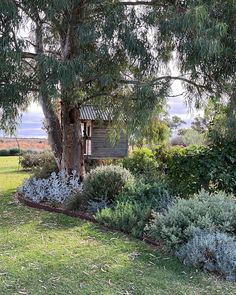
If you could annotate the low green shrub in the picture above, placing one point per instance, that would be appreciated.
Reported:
(141, 162)
(134, 206)
(42, 164)
(128, 216)
(157, 195)
(106, 182)
(15, 152)
(4, 153)
(75, 202)
(206, 211)
(45, 169)
(211, 251)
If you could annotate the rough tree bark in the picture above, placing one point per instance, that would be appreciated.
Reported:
(72, 139)
(73, 150)
(52, 120)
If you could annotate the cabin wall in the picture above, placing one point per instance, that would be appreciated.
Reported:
(102, 148)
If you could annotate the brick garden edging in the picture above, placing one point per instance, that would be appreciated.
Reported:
(39, 206)
(76, 214)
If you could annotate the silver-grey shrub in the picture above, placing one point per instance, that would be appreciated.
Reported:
(57, 188)
(213, 252)
(179, 222)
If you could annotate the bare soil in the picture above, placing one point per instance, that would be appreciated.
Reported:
(34, 144)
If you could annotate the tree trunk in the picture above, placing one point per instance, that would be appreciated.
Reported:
(54, 130)
(73, 150)
(53, 124)
(232, 102)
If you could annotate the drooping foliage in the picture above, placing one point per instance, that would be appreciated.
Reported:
(203, 34)
(111, 54)
(97, 50)
(78, 52)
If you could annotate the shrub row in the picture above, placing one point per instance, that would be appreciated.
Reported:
(10, 152)
(187, 169)
(42, 164)
(190, 169)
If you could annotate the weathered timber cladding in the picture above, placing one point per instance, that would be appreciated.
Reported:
(102, 148)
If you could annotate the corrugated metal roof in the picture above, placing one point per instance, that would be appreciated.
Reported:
(94, 113)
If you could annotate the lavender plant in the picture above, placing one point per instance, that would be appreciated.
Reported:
(211, 251)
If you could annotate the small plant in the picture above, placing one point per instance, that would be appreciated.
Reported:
(55, 189)
(177, 225)
(129, 217)
(95, 206)
(45, 169)
(105, 183)
(213, 252)
(75, 202)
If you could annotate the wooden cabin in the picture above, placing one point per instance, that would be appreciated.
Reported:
(95, 126)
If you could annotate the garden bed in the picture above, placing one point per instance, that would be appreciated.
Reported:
(77, 214)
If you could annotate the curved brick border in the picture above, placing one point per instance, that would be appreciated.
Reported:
(77, 214)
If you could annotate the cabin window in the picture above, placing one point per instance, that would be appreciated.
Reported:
(86, 133)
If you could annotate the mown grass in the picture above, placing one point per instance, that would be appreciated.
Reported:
(47, 253)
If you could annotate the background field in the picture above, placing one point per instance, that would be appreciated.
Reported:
(24, 143)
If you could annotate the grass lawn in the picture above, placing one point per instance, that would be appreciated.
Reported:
(47, 253)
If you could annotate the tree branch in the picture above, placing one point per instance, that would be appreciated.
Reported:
(153, 2)
(177, 95)
(147, 3)
(152, 82)
(180, 79)
(29, 55)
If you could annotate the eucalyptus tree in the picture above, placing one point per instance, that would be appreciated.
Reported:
(67, 53)
(203, 35)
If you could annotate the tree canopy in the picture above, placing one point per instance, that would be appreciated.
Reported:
(114, 54)
(203, 35)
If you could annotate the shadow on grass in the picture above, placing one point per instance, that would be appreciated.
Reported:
(15, 172)
(107, 270)
(82, 253)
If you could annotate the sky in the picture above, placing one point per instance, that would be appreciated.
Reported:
(31, 123)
